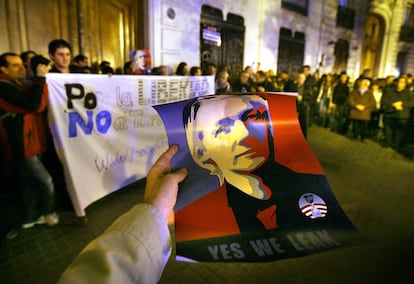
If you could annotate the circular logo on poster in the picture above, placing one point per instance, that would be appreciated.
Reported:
(313, 206)
(171, 13)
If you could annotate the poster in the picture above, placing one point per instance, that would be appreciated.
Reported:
(254, 192)
(143, 61)
(105, 131)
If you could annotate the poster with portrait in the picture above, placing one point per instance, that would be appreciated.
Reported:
(255, 192)
(142, 59)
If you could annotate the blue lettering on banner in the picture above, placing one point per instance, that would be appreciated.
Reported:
(103, 121)
(76, 119)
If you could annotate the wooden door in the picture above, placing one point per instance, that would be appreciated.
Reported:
(372, 43)
(109, 30)
(291, 52)
(100, 29)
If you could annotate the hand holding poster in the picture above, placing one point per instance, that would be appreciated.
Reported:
(255, 192)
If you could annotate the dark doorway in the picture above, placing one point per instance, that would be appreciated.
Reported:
(341, 53)
(402, 61)
(221, 42)
(291, 51)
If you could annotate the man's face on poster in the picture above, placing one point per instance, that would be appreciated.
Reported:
(229, 137)
(141, 58)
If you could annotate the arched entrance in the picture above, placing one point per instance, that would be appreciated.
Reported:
(221, 42)
(372, 43)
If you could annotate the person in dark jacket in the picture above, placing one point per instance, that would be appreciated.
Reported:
(396, 104)
(262, 84)
(287, 83)
(22, 136)
(242, 84)
(340, 117)
(60, 52)
(303, 102)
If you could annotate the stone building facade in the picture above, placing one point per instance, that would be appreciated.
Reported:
(329, 35)
(368, 37)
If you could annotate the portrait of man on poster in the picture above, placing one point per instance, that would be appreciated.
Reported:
(231, 138)
(143, 62)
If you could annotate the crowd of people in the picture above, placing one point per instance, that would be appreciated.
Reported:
(370, 108)
(381, 109)
(367, 108)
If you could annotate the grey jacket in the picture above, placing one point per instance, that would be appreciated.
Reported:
(134, 249)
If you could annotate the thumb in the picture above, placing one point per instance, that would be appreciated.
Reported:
(180, 174)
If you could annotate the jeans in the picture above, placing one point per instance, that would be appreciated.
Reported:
(37, 189)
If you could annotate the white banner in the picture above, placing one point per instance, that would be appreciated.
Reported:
(105, 131)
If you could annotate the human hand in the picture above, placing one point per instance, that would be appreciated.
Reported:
(398, 105)
(162, 185)
(360, 107)
(261, 89)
